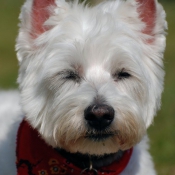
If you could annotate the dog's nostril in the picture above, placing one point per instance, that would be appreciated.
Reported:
(99, 116)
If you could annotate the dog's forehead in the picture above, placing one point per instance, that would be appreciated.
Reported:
(98, 36)
(94, 38)
(88, 52)
(100, 21)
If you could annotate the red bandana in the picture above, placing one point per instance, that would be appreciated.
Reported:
(35, 157)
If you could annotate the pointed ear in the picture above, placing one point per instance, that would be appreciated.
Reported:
(40, 12)
(37, 12)
(147, 13)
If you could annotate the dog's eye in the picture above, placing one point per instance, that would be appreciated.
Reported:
(70, 75)
(121, 75)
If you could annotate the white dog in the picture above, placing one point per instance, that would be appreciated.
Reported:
(90, 83)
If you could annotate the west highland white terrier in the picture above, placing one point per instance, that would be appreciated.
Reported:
(90, 81)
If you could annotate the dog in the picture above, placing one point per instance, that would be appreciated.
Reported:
(90, 83)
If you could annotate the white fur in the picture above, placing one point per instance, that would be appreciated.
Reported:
(10, 118)
(96, 43)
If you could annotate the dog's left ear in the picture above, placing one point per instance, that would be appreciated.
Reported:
(147, 12)
(153, 15)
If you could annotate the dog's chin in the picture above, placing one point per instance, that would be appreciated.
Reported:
(99, 137)
(97, 144)
(101, 149)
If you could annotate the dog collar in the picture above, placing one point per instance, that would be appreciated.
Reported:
(35, 157)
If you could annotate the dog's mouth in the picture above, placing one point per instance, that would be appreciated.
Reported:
(99, 136)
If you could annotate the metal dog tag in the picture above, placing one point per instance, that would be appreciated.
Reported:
(88, 171)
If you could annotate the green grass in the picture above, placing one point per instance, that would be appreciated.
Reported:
(162, 133)
(9, 12)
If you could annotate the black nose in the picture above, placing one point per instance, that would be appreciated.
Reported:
(99, 116)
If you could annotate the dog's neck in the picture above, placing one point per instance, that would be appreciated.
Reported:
(33, 158)
(85, 160)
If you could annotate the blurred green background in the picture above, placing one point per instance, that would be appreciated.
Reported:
(162, 133)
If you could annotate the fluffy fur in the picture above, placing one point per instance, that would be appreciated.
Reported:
(94, 44)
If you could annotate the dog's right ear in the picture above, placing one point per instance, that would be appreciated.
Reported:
(33, 15)
(40, 12)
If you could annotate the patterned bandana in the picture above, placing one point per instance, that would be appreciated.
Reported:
(35, 157)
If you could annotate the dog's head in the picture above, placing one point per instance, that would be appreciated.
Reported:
(91, 78)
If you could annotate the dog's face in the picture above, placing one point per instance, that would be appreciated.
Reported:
(91, 78)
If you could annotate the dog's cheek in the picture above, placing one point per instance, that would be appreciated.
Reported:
(129, 129)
